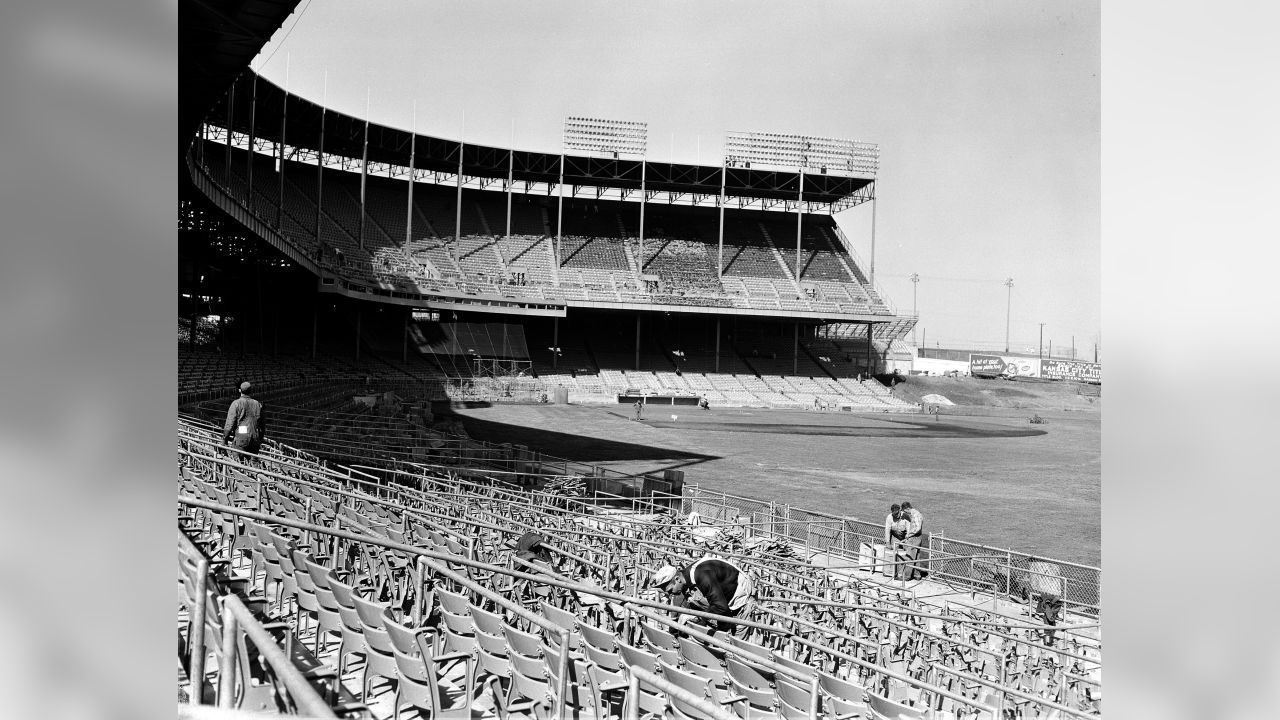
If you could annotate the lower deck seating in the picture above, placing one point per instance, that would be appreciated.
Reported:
(377, 628)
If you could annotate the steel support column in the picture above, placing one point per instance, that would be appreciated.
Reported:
(253, 112)
(457, 219)
(720, 249)
(555, 342)
(637, 341)
(643, 166)
(870, 350)
(795, 349)
(364, 172)
(413, 156)
(358, 318)
(511, 171)
(404, 347)
(799, 224)
(231, 117)
(320, 178)
(717, 343)
(284, 123)
(257, 291)
(874, 203)
(560, 213)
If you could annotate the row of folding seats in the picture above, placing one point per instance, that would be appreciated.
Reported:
(498, 513)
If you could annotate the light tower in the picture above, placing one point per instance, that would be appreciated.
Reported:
(610, 139)
(915, 283)
(806, 154)
(1008, 309)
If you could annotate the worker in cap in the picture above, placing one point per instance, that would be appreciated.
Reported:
(710, 584)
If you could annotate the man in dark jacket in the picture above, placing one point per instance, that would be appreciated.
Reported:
(710, 584)
(244, 423)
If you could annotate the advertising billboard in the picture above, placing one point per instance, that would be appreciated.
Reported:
(997, 365)
(1071, 370)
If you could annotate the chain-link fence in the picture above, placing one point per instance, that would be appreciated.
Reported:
(1015, 574)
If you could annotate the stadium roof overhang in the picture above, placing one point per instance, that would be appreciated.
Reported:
(274, 112)
(216, 41)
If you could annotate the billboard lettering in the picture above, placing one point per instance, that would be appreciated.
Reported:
(1072, 370)
(997, 365)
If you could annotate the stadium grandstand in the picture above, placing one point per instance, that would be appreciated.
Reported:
(365, 565)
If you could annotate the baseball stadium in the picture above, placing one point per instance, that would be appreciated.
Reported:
(506, 395)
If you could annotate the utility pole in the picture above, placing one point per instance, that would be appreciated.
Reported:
(1008, 309)
(1042, 341)
(915, 284)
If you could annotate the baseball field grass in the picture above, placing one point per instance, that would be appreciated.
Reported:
(993, 479)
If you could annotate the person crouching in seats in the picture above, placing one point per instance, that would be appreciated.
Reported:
(711, 585)
(535, 559)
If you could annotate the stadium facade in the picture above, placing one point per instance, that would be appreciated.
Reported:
(723, 264)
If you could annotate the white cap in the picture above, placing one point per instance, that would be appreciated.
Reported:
(664, 575)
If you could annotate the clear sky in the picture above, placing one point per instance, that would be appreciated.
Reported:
(987, 115)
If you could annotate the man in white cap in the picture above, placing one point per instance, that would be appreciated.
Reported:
(244, 423)
(710, 584)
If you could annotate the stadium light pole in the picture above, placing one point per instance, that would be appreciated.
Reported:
(1042, 341)
(1008, 309)
(915, 284)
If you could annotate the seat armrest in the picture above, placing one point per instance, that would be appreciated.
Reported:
(451, 656)
(606, 687)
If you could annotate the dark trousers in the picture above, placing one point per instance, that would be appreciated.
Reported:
(916, 569)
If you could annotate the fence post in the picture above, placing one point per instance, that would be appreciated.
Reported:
(1008, 560)
(227, 668)
(195, 637)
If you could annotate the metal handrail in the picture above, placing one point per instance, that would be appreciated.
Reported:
(237, 616)
(626, 600)
(638, 674)
(448, 557)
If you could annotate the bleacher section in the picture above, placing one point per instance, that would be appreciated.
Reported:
(599, 253)
(356, 596)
